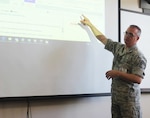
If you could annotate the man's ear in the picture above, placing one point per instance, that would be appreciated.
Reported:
(138, 38)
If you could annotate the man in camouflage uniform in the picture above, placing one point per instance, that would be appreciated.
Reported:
(127, 71)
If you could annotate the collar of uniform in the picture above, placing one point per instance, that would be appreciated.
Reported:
(131, 48)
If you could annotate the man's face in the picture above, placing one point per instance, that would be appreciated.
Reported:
(131, 36)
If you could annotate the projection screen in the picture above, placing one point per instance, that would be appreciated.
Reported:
(46, 51)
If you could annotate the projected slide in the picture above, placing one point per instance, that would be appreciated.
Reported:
(45, 20)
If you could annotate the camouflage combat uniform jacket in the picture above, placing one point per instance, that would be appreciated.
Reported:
(130, 61)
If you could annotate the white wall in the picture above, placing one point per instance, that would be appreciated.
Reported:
(145, 105)
(131, 5)
(90, 107)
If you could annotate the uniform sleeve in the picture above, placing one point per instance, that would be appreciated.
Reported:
(113, 46)
(109, 45)
(140, 65)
